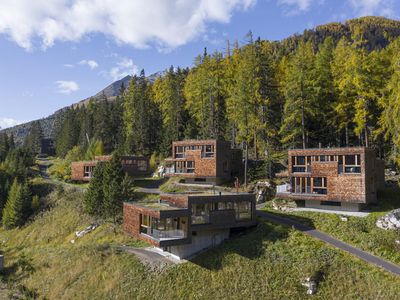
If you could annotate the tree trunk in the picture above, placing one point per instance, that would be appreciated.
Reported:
(255, 144)
(347, 135)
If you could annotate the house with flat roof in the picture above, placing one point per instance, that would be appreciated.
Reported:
(333, 178)
(186, 224)
(132, 165)
(204, 161)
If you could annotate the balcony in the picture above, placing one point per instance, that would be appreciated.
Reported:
(163, 235)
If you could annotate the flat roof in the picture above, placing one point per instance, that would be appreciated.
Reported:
(155, 205)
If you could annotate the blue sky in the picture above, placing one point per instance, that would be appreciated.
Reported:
(56, 52)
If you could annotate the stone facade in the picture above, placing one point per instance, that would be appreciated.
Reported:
(132, 165)
(219, 165)
(332, 176)
(224, 211)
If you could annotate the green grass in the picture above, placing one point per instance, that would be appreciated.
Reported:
(360, 232)
(269, 262)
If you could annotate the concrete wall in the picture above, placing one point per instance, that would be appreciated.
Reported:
(200, 241)
(345, 206)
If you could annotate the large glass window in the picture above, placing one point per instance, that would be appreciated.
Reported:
(142, 165)
(208, 151)
(168, 228)
(242, 210)
(201, 213)
(179, 152)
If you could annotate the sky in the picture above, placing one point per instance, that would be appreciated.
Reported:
(54, 53)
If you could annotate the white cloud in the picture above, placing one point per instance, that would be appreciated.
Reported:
(66, 87)
(8, 122)
(68, 65)
(162, 23)
(293, 7)
(373, 7)
(91, 63)
(124, 67)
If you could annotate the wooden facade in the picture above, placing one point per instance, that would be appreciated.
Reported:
(132, 165)
(185, 215)
(334, 175)
(205, 161)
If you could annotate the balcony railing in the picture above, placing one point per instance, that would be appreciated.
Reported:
(163, 234)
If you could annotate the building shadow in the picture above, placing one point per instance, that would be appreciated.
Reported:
(388, 199)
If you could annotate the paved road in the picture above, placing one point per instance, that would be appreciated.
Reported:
(388, 266)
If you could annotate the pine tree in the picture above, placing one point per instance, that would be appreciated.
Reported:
(112, 187)
(94, 197)
(33, 140)
(13, 211)
(300, 97)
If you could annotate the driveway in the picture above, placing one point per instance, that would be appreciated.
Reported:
(372, 259)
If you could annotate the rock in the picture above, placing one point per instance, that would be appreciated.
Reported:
(344, 219)
(72, 241)
(86, 231)
(311, 286)
(389, 221)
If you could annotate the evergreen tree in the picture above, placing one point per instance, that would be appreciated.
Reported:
(168, 94)
(300, 97)
(141, 118)
(94, 197)
(33, 140)
(13, 211)
(113, 178)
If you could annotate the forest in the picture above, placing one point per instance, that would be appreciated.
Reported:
(334, 86)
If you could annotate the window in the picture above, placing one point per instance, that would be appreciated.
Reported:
(142, 165)
(190, 166)
(225, 205)
(331, 203)
(201, 213)
(88, 171)
(208, 151)
(319, 185)
(299, 164)
(179, 152)
(352, 164)
(243, 210)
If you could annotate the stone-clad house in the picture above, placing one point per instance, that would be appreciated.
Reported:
(132, 165)
(184, 224)
(204, 161)
(333, 178)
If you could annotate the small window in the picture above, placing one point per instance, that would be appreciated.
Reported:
(350, 160)
(331, 203)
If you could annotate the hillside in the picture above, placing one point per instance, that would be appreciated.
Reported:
(269, 262)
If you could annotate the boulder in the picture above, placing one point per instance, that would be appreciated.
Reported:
(390, 221)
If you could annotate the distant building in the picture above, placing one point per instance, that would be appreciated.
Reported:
(132, 165)
(204, 161)
(333, 178)
(186, 224)
(47, 147)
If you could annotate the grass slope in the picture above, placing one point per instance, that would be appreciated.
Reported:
(360, 232)
(269, 262)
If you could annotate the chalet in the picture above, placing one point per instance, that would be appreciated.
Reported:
(132, 165)
(186, 224)
(333, 178)
(204, 161)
